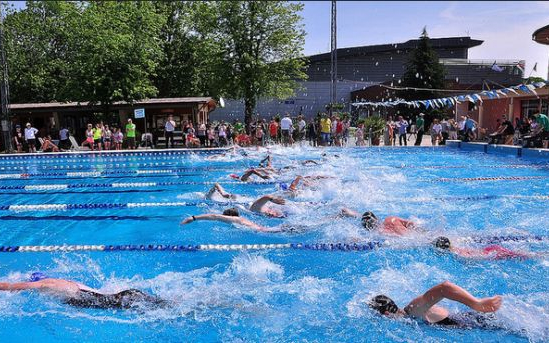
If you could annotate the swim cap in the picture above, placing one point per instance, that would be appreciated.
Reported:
(232, 212)
(37, 276)
(369, 220)
(442, 243)
(383, 304)
(283, 186)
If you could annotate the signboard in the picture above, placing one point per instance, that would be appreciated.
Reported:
(139, 113)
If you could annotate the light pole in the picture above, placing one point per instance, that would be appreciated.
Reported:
(541, 36)
(333, 57)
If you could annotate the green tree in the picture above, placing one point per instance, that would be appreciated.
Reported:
(423, 70)
(36, 43)
(114, 52)
(261, 49)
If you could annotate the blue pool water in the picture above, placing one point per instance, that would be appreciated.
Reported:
(273, 295)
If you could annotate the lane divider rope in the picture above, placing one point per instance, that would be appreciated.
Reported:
(200, 247)
(99, 173)
(490, 178)
(240, 247)
(127, 185)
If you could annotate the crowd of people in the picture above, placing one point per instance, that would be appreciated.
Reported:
(322, 130)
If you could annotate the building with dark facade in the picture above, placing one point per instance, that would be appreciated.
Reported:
(365, 66)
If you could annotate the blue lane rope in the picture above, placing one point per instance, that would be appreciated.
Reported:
(201, 247)
(104, 153)
(95, 167)
(368, 246)
(126, 185)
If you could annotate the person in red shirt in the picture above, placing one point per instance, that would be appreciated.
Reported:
(273, 130)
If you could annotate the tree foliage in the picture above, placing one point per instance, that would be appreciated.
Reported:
(423, 70)
(106, 51)
(261, 48)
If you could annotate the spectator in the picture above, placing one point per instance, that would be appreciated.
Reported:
(107, 137)
(402, 125)
(98, 135)
(333, 130)
(301, 127)
(18, 138)
(30, 137)
(130, 134)
(211, 135)
(420, 127)
(436, 132)
(190, 139)
(273, 130)
(504, 133)
(201, 133)
(470, 128)
(48, 146)
(259, 134)
(118, 138)
(452, 129)
(64, 142)
(445, 131)
(222, 134)
(89, 137)
(285, 127)
(325, 129)
(312, 133)
(388, 133)
(359, 134)
(169, 128)
(461, 128)
(539, 132)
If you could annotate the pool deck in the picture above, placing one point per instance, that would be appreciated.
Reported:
(508, 150)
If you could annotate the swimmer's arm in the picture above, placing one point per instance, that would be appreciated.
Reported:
(213, 217)
(345, 212)
(447, 290)
(257, 206)
(295, 183)
(18, 286)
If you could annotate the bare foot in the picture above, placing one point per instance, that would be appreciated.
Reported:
(489, 304)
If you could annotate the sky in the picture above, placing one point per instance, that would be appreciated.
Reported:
(506, 27)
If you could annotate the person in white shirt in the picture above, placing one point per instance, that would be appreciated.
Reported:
(436, 132)
(30, 137)
(285, 127)
(301, 128)
(169, 128)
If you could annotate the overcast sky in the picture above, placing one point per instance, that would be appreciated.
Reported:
(505, 27)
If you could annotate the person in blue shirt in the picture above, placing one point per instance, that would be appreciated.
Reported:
(402, 125)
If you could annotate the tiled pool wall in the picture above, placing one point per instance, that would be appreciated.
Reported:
(508, 150)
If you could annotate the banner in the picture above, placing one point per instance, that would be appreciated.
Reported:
(457, 99)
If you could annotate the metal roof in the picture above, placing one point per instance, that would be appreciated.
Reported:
(157, 101)
(449, 42)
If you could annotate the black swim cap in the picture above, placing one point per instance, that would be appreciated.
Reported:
(382, 304)
(442, 243)
(232, 212)
(369, 220)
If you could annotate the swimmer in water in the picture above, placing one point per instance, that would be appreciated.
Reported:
(495, 252)
(231, 216)
(424, 307)
(79, 295)
(391, 225)
(264, 173)
(258, 206)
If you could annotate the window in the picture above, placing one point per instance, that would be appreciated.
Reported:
(530, 107)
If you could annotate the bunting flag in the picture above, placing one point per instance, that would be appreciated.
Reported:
(455, 100)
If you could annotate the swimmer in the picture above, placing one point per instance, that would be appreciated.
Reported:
(259, 206)
(495, 252)
(391, 225)
(231, 216)
(306, 181)
(264, 173)
(79, 295)
(424, 307)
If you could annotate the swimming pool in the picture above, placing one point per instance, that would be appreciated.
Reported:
(274, 294)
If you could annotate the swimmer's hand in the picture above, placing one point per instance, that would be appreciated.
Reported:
(277, 200)
(188, 220)
(488, 304)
